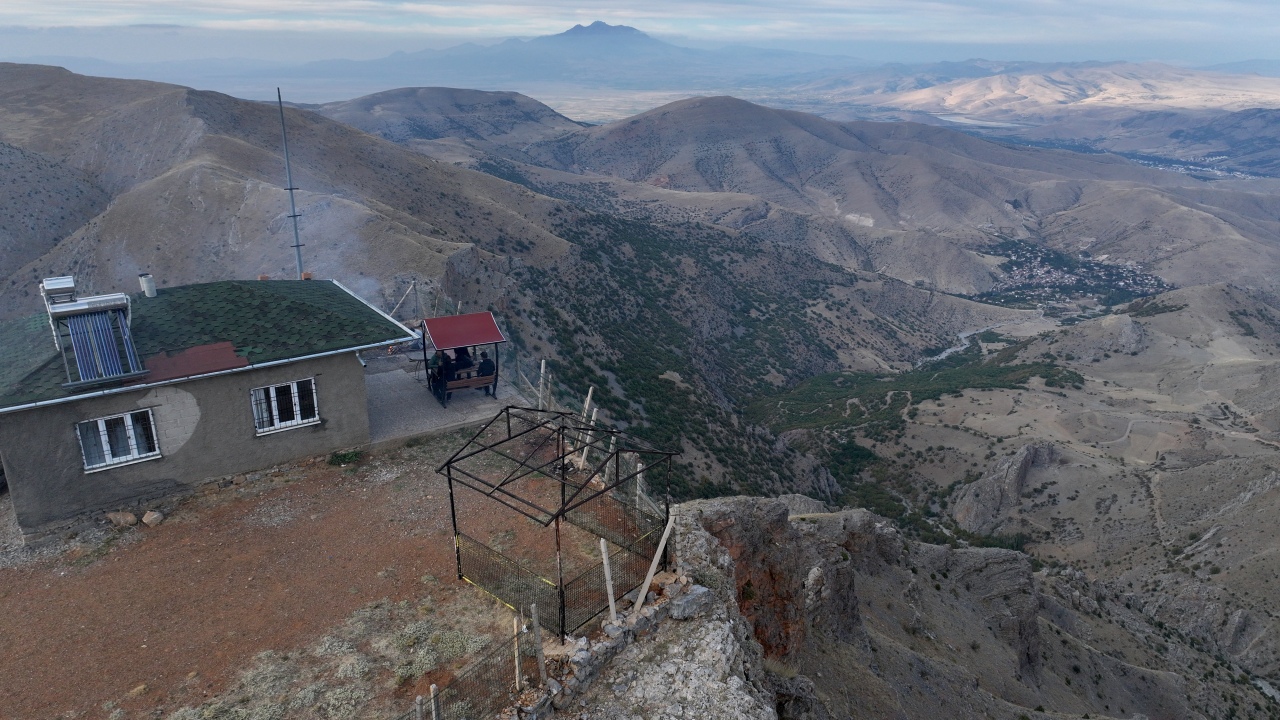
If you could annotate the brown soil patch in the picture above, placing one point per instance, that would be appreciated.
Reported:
(270, 563)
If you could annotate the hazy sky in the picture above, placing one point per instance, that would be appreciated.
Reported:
(1194, 31)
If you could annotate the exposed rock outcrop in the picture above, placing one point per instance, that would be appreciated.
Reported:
(785, 589)
(1121, 334)
(926, 631)
(802, 504)
(686, 670)
(980, 507)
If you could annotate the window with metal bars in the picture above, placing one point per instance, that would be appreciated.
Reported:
(280, 407)
(118, 439)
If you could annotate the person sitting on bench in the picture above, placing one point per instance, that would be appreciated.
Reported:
(444, 374)
(433, 366)
(486, 369)
(462, 359)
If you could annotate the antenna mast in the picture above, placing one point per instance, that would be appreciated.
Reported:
(288, 174)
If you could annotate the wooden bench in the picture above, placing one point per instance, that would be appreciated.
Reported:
(475, 382)
(478, 381)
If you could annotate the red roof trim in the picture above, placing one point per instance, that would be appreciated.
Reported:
(455, 331)
(197, 360)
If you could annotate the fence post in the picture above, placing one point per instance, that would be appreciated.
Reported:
(564, 633)
(453, 516)
(542, 385)
(417, 709)
(639, 482)
(608, 582)
(537, 645)
(586, 405)
(653, 566)
(586, 447)
(435, 702)
(515, 643)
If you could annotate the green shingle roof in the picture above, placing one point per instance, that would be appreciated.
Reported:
(265, 321)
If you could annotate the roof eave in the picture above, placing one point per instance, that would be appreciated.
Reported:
(173, 381)
(408, 331)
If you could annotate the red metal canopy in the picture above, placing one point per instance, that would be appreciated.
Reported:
(455, 331)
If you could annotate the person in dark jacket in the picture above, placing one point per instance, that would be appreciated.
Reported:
(486, 369)
(462, 359)
(444, 374)
(433, 366)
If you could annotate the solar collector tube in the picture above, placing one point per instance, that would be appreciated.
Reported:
(129, 350)
(81, 343)
(105, 342)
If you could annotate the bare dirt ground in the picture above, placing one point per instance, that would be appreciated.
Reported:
(262, 578)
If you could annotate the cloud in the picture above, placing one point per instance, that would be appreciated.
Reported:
(991, 22)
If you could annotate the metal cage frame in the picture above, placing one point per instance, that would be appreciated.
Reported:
(580, 477)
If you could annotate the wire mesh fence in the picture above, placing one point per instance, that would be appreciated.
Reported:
(626, 525)
(586, 596)
(625, 516)
(486, 686)
(638, 534)
(507, 580)
(491, 683)
(566, 474)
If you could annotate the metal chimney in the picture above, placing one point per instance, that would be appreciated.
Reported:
(148, 284)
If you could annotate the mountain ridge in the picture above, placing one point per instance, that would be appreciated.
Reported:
(776, 295)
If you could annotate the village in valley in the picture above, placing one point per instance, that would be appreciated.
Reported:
(1036, 275)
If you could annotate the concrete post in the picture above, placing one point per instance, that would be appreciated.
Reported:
(537, 645)
(515, 643)
(587, 403)
(639, 487)
(435, 702)
(608, 582)
(586, 446)
(653, 566)
(542, 386)
(583, 420)
(418, 708)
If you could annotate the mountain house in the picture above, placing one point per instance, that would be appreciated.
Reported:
(112, 401)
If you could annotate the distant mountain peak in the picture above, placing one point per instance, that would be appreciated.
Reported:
(599, 29)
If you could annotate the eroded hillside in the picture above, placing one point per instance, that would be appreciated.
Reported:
(195, 188)
(918, 203)
(827, 615)
(1139, 447)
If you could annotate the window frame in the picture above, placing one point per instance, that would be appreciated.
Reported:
(270, 400)
(104, 448)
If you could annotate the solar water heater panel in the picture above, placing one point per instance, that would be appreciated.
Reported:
(105, 341)
(82, 343)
